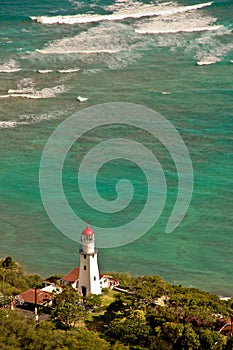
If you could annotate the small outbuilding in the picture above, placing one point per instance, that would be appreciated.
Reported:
(32, 297)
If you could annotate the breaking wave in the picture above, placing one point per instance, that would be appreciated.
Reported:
(71, 70)
(44, 71)
(178, 30)
(181, 22)
(106, 44)
(28, 119)
(9, 66)
(208, 61)
(210, 49)
(119, 45)
(125, 13)
(26, 89)
(10, 124)
(61, 50)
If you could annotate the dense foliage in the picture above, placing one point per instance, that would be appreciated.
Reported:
(67, 312)
(151, 314)
(16, 333)
(157, 315)
(14, 280)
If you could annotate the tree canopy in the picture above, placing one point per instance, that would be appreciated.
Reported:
(67, 311)
(151, 315)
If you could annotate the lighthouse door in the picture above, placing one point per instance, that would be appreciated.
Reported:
(84, 291)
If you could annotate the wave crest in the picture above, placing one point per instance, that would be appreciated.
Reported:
(26, 89)
(127, 13)
(28, 119)
(10, 66)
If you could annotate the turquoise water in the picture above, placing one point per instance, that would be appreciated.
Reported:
(179, 64)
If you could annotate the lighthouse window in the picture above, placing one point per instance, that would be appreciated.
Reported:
(85, 256)
(94, 278)
(84, 267)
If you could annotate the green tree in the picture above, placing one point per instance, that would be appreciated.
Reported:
(13, 329)
(189, 339)
(211, 340)
(14, 280)
(119, 346)
(116, 309)
(92, 300)
(6, 264)
(130, 331)
(80, 339)
(67, 311)
(18, 333)
(229, 344)
(172, 331)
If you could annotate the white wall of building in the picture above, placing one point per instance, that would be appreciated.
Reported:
(89, 282)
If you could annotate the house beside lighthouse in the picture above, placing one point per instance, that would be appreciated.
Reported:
(86, 278)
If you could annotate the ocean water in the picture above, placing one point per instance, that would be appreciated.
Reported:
(174, 57)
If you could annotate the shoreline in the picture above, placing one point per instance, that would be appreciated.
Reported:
(222, 296)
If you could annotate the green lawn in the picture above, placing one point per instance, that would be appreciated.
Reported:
(109, 297)
(95, 318)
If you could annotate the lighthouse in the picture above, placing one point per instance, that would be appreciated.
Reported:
(89, 282)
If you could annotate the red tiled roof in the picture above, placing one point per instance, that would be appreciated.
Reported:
(52, 279)
(72, 276)
(41, 296)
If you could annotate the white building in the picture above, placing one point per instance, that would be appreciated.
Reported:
(89, 281)
(86, 278)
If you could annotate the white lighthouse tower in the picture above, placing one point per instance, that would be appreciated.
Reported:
(89, 282)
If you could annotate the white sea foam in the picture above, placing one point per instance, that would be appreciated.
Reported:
(125, 13)
(181, 22)
(92, 71)
(208, 61)
(37, 118)
(5, 40)
(26, 89)
(178, 30)
(24, 30)
(26, 85)
(45, 71)
(71, 70)
(37, 94)
(209, 47)
(10, 66)
(60, 50)
(119, 45)
(4, 96)
(10, 124)
(101, 40)
(28, 119)
(101, 45)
